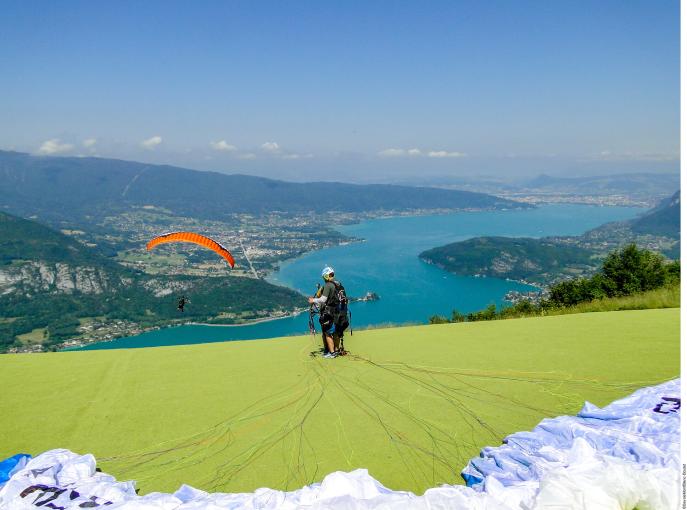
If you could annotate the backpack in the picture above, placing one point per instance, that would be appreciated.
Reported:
(337, 304)
(339, 300)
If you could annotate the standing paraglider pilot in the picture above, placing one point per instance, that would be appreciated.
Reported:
(333, 304)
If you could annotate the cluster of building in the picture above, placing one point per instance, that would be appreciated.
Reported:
(258, 241)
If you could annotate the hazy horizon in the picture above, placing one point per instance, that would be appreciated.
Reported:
(411, 180)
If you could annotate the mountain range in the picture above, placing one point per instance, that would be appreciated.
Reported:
(82, 190)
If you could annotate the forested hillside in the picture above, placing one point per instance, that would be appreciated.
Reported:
(532, 260)
(55, 289)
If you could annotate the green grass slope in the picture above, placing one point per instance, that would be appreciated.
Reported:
(411, 404)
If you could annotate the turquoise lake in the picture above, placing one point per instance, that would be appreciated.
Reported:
(387, 263)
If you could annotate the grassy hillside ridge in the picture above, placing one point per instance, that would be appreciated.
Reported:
(664, 297)
(83, 189)
(412, 404)
(51, 282)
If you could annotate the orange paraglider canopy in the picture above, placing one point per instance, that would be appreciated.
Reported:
(192, 237)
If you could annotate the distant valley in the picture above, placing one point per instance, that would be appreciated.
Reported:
(73, 264)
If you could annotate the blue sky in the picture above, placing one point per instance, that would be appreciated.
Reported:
(362, 91)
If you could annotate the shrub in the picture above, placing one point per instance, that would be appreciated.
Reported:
(488, 314)
(438, 319)
(456, 316)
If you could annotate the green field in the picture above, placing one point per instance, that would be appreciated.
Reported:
(36, 336)
(412, 405)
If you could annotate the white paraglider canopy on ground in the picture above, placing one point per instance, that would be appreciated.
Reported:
(623, 456)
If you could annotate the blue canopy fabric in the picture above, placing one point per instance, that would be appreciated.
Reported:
(12, 464)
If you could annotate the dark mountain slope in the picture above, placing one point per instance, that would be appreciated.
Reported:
(83, 188)
(662, 220)
(22, 239)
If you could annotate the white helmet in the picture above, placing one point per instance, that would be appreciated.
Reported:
(327, 272)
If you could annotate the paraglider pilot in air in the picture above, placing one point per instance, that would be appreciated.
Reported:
(333, 304)
(182, 303)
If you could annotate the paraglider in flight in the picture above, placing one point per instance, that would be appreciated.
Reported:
(181, 303)
(192, 237)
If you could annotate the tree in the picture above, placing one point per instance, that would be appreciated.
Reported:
(456, 316)
(632, 270)
(673, 272)
(578, 290)
(520, 308)
(488, 314)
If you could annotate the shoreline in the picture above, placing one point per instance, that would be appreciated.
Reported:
(269, 276)
(177, 325)
(247, 323)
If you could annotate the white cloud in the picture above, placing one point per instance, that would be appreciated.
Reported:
(151, 142)
(607, 155)
(297, 156)
(270, 147)
(415, 152)
(222, 145)
(445, 154)
(393, 153)
(54, 146)
(247, 155)
(89, 142)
